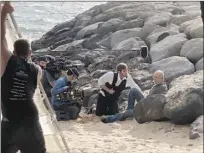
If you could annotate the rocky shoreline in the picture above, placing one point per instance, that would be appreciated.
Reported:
(107, 34)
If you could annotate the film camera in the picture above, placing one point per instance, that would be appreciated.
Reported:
(71, 95)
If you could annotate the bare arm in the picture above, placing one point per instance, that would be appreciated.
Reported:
(5, 53)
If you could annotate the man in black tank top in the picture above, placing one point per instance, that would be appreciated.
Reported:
(112, 84)
(20, 125)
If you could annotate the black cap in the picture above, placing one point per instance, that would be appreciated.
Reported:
(73, 71)
(42, 58)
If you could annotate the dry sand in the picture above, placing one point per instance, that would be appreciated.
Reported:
(89, 135)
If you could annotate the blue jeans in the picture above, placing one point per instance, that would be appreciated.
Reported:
(119, 116)
(133, 95)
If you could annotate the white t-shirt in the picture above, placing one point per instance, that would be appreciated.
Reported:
(108, 77)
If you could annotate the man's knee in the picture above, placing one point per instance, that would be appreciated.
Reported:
(134, 91)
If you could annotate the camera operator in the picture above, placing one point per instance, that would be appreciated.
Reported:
(63, 84)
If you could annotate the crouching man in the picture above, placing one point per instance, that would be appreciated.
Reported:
(134, 95)
(61, 104)
(112, 84)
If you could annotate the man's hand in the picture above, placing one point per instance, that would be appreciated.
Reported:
(111, 91)
(7, 8)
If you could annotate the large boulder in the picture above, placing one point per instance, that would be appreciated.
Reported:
(195, 31)
(160, 19)
(199, 65)
(136, 23)
(159, 34)
(129, 44)
(150, 108)
(169, 46)
(173, 67)
(122, 35)
(196, 128)
(148, 29)
(186, 24)
(109, 26)
(91, 42)
(88, 31)
(179, 19)
(193, 49)
(185, 99)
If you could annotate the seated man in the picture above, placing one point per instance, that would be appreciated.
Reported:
(112, 84)
(158, 88)
(63, 84)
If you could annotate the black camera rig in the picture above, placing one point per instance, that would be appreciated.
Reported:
(72, 95)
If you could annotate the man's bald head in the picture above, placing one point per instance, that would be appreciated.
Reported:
(158, 77)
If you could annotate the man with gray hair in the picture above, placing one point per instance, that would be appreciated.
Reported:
(112, 84)
(134, 95)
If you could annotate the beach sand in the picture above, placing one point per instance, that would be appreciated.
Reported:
(89, 135)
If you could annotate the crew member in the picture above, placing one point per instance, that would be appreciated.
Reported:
(112, 84)
(20, 127)
(63, 84)
(159, 87)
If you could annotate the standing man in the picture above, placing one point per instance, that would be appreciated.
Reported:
(20, 125)
(112, 84)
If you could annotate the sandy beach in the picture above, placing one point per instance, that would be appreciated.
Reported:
(89, 135)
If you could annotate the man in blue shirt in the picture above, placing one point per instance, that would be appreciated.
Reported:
(62, 85)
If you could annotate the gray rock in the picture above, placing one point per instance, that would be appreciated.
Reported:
(186, 24)
(183, 93)
(170, 46)
(82, 20)
(122, 35)
(143, 79)
(125, 56)
(187, 109)
(159, 34)
(102, 63)
(179, 19)
(150, 108)
(91, 42)
(173, 67)
(193, 49)
(129, 44)
(87, 31)
(98, 73)
(196, 30)
(196, 128)
(106, 41)
(136, 23)
(109, 26)
(199, 65)
(70, 47)
(160, 19)
(148, 29)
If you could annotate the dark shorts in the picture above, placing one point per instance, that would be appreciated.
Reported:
(26, 136)
(107, 105)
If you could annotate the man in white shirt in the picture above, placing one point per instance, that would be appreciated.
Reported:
(112, 84)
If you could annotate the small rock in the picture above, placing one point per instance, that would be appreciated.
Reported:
(199, 65)
(196, 128)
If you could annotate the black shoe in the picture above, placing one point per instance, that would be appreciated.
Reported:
(103, 119)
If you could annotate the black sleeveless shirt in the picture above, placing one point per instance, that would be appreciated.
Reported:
(18, 85)
(118, 89)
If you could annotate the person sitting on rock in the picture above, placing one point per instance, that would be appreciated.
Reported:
(112, 84)
(159, 88)
(62, 85)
